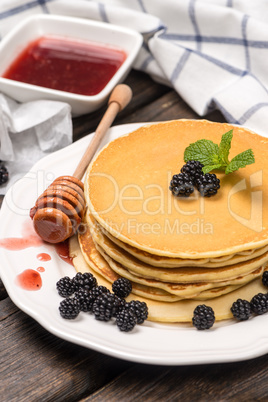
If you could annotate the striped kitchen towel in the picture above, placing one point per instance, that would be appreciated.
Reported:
(214, 53)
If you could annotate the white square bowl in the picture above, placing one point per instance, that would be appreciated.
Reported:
(37, 26)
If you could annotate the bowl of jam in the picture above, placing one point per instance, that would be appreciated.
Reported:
(66, 59)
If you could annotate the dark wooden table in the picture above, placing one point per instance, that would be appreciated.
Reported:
(37, 366)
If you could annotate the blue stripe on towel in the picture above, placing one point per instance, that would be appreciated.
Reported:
(258, 44)
(42, 4)
(142, 6)
(179, 66)
(198, 37)
(251, 111)
(225, 66)
(148, 60)
(219, 63)
(225, 113)
(103, 13)
(245, 42)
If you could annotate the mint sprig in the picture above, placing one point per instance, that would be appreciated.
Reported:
(214, 156)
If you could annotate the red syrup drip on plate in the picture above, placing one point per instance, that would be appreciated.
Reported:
(29, 239)
(18, 243)
(62, 249)
(40, 269)
(29, 280)
(43, 257)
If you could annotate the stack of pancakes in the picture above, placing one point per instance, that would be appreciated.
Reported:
(177, 252)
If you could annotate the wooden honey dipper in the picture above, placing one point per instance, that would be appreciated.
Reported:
(60, 209)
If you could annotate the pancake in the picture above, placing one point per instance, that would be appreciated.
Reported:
(177, 311)
(169, 262)
(91, 252)
(98, 264)
(183, 290)
(127, 191)
(181, 274)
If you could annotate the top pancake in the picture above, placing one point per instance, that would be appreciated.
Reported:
(127, 191)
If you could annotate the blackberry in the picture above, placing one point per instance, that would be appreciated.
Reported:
(203, 317)
(86, 280)
(106, 306)
(122, 287)
(69, 308)
(3, 173)
(193, 169)
(241, 309)
(86, 297)
(65, 286)
(259, 303)
(181, 185)
(83, 300)
(126, 320)
(265, 278)
(140, 309)
(208, 184)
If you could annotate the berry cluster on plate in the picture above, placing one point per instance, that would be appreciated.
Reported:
(191, 176)
(82, 294)
(242, 310)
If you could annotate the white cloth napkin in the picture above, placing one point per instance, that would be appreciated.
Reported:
(30, 131)
(214, 53)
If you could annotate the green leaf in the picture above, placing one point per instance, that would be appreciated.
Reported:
(204, 151)
(208, 168)
(225, 146)
(214, 156)
(240, 161)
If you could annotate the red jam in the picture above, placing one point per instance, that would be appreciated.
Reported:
(40, 269)
(66, 64)
(43, 257)
(29, 239)
(29, 280)
(62, 249)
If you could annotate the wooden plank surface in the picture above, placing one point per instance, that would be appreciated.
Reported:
(37, 366)
(218, 382)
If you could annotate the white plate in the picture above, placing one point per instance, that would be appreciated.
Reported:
(148, 343)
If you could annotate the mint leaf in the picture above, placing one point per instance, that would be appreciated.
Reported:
(240, 161)
(208, 168)
(225, 146)
(214, 156)
(204, 151)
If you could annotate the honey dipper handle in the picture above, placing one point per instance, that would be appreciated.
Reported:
(119, 99)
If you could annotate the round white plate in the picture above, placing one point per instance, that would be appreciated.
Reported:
(152, 343)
